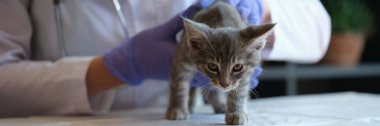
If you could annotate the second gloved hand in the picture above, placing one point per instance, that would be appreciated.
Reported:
(250, 10)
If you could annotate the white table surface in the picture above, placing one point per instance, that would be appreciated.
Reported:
(335, 109)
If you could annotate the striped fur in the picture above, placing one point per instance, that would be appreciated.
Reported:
(216, 35)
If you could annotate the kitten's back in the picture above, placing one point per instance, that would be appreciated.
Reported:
(220, 14)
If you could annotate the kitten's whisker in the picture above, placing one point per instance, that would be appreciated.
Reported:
(260, 87)
(255, 93)
(210, 93)
(258, 94)
(204, 85)
(205, 93)
(254, 96)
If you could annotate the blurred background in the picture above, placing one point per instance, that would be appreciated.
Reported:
(352, 62)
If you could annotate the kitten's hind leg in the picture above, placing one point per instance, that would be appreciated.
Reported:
(217, 98)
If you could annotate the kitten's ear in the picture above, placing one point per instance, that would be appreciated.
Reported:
(256, 35)
(195, 33)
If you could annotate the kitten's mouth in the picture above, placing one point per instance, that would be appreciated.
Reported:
(225, 88)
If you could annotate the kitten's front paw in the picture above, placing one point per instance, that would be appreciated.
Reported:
(177, 114)
(236, 118)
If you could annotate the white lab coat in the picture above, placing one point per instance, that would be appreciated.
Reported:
(45, 49)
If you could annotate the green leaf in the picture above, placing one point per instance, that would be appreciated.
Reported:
(349, 15)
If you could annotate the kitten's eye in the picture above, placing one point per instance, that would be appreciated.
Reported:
(212, 67)
(237, 68)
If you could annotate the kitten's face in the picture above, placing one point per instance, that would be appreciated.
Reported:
(226, 55)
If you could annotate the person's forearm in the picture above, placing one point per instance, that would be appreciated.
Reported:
(37, 85)
(99, 79)
(267, 19)
(303, 44)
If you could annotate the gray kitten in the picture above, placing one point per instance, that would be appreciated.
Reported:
(219, 44)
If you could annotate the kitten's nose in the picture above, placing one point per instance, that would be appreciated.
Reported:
(224, 81)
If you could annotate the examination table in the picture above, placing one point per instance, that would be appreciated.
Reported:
(332, 109)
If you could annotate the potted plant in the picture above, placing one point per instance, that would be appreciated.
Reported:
(351, 22)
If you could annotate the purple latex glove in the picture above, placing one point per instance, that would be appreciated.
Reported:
(250, 10)
(149, 53)
(200, 80)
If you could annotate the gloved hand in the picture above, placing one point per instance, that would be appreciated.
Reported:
(250, 10)
(149, 53)
(200, 80)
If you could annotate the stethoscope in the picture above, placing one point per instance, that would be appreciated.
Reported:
(58, 17)
(121, 16)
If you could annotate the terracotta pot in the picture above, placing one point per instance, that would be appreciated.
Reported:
(345, 50)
